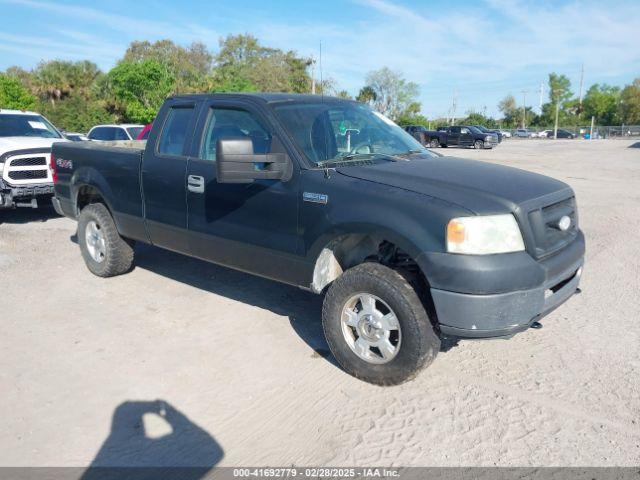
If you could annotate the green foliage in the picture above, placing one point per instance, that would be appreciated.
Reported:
(559, 88)
(394, 96)
(268, 69)
(344, 94)
(630, 103)
(14, 95)
(408, 119)
(511, 115)
(139, 89)
(57, 79)
(189, 66)
(366, 95)
(76, 113)
(601, 102)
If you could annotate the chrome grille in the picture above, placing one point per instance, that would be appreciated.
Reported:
(29, 162)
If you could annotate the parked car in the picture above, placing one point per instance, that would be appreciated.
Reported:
(75, 137)
(407, 247)
(505, 133)
(115, 132)
(523, 133)
(466, 136)
(428, 138)
(144, 133)
(562, 134)
(485, 130)
(545, 133)
(25, 156)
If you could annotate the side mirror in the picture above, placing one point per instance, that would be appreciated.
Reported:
(236, 163)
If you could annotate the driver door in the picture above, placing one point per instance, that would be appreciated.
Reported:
(249, 226)
(466, 139)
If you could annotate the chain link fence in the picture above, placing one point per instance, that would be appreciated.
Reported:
(599, 131)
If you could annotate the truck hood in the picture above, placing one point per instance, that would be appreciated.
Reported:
(480, 187)
(9, 144)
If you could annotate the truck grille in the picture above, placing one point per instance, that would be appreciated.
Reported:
(547, 235)
(29, 162)
(24, 168)
(27, 174)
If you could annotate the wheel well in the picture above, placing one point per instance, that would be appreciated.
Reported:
(86, 196)
(350, 250)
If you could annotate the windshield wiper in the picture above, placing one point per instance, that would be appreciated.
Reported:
(355, 157)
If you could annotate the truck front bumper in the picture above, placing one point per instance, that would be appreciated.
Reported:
(24, 195)
(514, 297)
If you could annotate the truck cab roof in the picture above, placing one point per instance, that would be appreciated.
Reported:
(270, 98)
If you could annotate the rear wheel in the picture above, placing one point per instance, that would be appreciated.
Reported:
(478, 144)
(104, 251)
(376, 325)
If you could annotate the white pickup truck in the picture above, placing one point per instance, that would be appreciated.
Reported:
(25, 156)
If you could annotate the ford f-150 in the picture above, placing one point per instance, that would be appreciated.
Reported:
(326, 194)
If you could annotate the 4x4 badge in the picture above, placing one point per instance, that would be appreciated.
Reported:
(315, 197)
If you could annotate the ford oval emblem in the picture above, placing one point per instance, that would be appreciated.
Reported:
(564, 223)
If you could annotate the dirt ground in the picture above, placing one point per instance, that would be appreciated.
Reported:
(185, 363)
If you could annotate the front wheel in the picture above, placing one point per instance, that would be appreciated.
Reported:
(478, 145)
(105, 252)
(377, 327)
(434, 143)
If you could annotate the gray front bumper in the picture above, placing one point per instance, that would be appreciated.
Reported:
(11, 195)
(503, 314)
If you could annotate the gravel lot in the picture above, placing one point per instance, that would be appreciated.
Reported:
(182, 362)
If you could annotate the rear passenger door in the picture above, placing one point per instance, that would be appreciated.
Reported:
(453, 137)
(164, 170)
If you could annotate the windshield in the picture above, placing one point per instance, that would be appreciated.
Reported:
(338, 131)
(134, 132)
(16, 125)
(481, 128)
(475, 130)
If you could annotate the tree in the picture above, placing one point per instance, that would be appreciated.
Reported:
(58, 79)
(366, 95)
(190, 66)
(394, 96)
(76, 113)
(139, 89)
(268, 69)
(510, 111)
(630, 103)
(559, 88)
(601, 102)
(344, 94)
(14, 95)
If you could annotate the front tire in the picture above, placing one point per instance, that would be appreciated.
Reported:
(478, 144)
(434, 143)
(104, 251)
(377, 327)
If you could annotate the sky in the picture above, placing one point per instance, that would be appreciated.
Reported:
(474, 51)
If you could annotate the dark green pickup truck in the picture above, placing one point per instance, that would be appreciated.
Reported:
(408, 247)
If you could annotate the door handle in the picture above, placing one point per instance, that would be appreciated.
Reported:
(195, 184)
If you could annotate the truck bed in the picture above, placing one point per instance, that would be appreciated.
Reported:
(115, 170)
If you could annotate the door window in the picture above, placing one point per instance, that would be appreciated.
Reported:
(174, 134)
(233, 123)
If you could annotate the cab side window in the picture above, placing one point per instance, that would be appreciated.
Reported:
(233, 123)
(174, 136)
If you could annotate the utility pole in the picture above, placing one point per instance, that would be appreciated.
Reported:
(313, 76)
(454, 102)
(555, 128)
(524, 108)
(581, 84)
(541, 95)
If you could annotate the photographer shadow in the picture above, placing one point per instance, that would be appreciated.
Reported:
(153, 440)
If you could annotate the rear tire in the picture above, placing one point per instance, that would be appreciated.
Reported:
(104, 251)
(413, 338)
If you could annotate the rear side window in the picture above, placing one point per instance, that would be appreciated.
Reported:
(175, 132)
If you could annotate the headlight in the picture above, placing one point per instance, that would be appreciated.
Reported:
(484, 235)
(488, 138)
